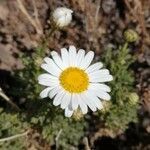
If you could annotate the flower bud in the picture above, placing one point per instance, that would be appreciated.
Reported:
(77, 115)
(38, 61)
(131, 35)
(62, 17)
(134, 98)
(106, 106)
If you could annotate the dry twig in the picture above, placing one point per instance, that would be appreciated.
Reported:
(36, 14)
(97, 11)
(137, 13)
(86, 143)
(35, 22)
(57, 138)
(5, 97)
(14, 137)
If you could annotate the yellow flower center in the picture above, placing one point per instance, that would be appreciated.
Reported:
(74, 80)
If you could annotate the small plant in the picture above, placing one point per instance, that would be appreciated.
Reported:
(78, 79)
(37, 113)
(10, 124)
(122, 109)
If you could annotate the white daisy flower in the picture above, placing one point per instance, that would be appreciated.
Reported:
(72, 82)
(62, 16)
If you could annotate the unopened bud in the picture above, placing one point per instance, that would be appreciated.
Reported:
(77, 115)
(133, 97)
(131, 35)
(106, 106)
(62, 17)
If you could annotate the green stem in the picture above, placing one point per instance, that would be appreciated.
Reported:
(44, 44)
(125, 46)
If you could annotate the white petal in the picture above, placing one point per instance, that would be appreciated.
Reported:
(87, 101)
(65, 100)
(98, 103)
(68, 112)
(94, 67)
(99, 87)
(98, 73)
(54, 91)
(101, 94)
(74, 101)
(70, 105)
(101, 78)
(80, 56)
(51, 63)
(93, 98)
(52, 69)
(47, 76)
(45, 92)
(87, 60)
(65, 57)
(58, 98)
(46, 82)
(82, 105)
(57, 59)
(72, 55)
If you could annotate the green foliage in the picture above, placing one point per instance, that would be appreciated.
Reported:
(10, 124)
(121, 110)
(48, 120)
(71, 133)
(38, 113)
(46, 117)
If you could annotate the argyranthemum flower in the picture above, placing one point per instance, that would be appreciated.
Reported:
(72, 82)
